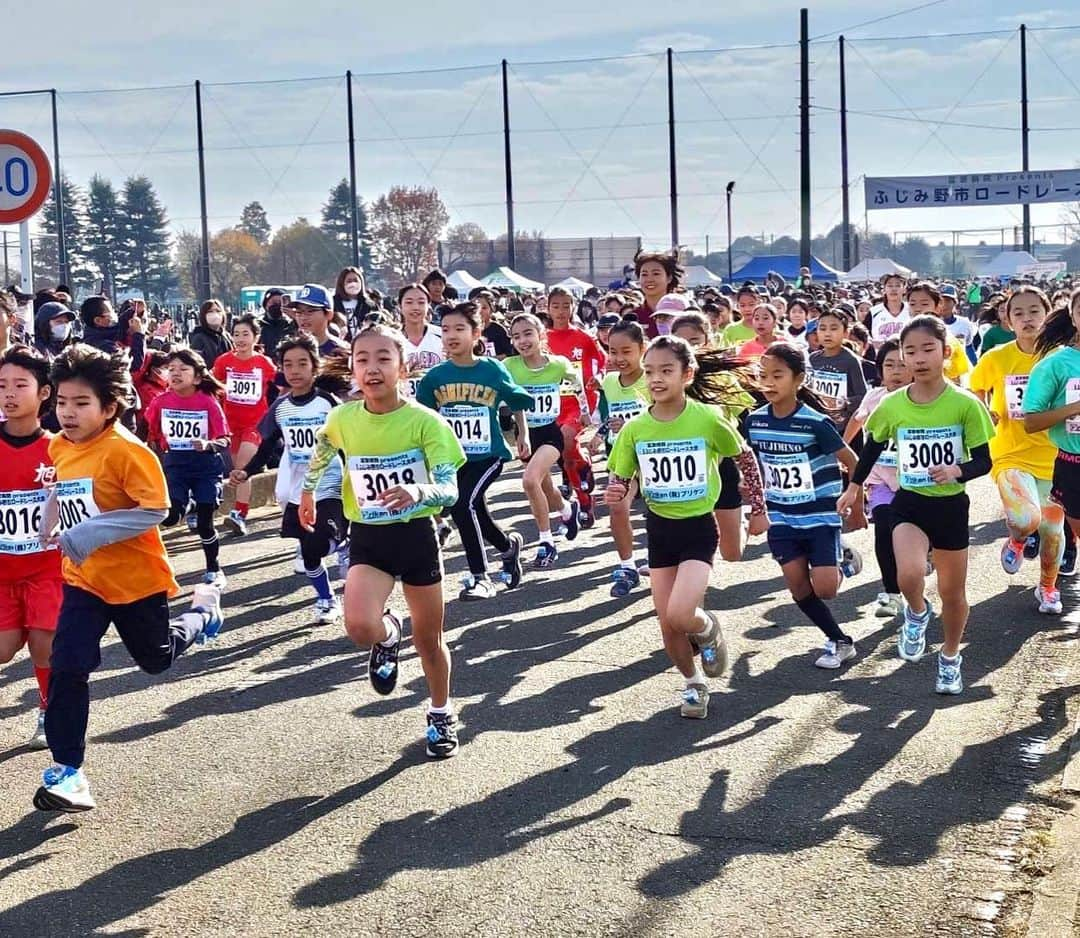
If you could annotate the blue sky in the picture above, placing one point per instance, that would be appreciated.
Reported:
(590, 136)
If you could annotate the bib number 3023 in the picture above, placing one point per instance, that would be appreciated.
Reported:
(787, 477)
(372, 475)
(673, 470)
(471, 425)
(924, 448)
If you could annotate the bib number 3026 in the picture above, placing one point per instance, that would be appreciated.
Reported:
(673, 470)
(924, 448)
(181, 428)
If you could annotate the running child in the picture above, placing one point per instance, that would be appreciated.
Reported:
(924, 299)
(542, 376)
(423, 341)
(248, 377)
(765, 323)
(187, 425)
(30, 580)
(801, 455)
(109, 498)
(836, 371)
(942, 435)
(402, 461)
(293, 420)
(466, 390)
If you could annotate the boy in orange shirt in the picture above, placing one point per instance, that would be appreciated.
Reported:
(110, 496)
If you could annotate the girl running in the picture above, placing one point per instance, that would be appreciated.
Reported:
(423, 341)
(294, 419)
(764, 322)
(942, 436)
(1023, 463)
(401, 462)
(109, 498)
(675, 446)
(187, 425)
(543, 376)
(248, 377)
(801, 454)
(466, 390)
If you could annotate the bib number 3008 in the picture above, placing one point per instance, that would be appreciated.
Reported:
(924, 448)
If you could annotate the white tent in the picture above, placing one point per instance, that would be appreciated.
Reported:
(700, 276)
(463, 282)
(874, 268)
(575, 286)
(1007, 264)
(511, 280)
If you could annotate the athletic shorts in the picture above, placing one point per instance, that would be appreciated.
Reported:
(329, 521)
(730, 496)
(820, 545)
(241, 436)
(406, 550)
(1066, 487)
(549, 435)
(943, 519)
(673, 540)
(200, 484)
(30, 604)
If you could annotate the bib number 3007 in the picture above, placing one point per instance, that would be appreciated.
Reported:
(924, 448)
(673, 471)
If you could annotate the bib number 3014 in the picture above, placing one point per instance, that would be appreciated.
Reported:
(472, 427)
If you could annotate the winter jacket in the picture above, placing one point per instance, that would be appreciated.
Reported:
(209, 343)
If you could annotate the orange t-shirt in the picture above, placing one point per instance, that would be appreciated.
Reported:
(112, 471)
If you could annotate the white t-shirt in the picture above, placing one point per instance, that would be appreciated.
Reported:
(427, 353)
(794, 339)
(884, 325)
(963, 328)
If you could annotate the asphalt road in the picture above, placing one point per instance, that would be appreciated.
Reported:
(262, 788)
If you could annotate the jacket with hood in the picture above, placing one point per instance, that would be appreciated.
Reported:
(274, 329)
(112, 339)
(43, 339)
(209, 343)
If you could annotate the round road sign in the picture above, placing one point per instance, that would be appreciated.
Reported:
(25, 177)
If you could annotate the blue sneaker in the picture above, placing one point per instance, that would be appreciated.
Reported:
(546, 555)
(911, 642)
(206, 598)
(64, 788)
(192, 523)
(850, 560)
(571, 523)
(1012, 555)
(624, 581)
(949, 680)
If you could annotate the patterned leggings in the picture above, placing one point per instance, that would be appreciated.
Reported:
(1028, 509)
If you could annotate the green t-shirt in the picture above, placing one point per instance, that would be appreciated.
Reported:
(736, 333)
(996, 335)
(941, 433)
(1055, 382)
(625, 401)
(544, 385)
(408, 446)
(677, 460)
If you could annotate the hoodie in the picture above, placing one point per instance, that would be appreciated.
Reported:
(43, 339)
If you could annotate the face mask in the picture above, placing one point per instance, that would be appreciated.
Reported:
(213, 320)
(663, 328)
(60, 330)
(352, 288)
(274, 311)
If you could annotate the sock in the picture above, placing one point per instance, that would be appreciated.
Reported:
(42, 675)
(817, 612)
(949, 659)
(546, 537)
(447, 708)
(628, 563)
(919, 616)
(242, 508)
(393, 634)
(697, 677)
(567, 510)
(210, 549)
(708, 624)
(320, 581)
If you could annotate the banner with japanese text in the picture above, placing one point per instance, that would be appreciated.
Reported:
(965, 189)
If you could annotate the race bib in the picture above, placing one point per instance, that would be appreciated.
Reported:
(372, 475)
(545, 407)
(787, 478)
(1072, 395)
(923, 448)
(299, 436)
(887, 459)
(243, 387)
(182, 427)
(625, 410)
(409, 386)
(20, 521)
(830, 384)
(76, 502)
(1015, 388)
(673, 470)
(471, 425)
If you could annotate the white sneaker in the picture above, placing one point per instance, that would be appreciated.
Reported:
(695, 702)
(38, 740)
(64, 789)
(889, 605)
(327, 611)
(836, 653)
(216, 579)
(298, 562)
(236, 522)
(1049, 601)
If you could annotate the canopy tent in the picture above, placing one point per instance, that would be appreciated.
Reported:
(463, 282)
(786, 265)
(1007, 264)
(874, 268)
(574, 285)
(698, 275)
(511, 280)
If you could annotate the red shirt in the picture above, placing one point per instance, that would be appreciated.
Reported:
(25, 470)
(246, 384)
(586, 355)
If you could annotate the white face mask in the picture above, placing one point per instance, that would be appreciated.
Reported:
(60, 330)
(213, 320)
(663, 327)
(352, 288)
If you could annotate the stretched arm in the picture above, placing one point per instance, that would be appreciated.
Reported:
(324, 455)
(748, 468)
(1046, 419)
(87, 536)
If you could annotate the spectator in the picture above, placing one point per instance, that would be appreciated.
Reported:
(435, 282)
(107, 332)
(276, 326)
(350, 299)
(52, 329)
(210, 338)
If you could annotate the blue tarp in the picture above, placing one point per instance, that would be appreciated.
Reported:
(786, 265)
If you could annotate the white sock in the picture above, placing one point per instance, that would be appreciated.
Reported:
(697, 677)
(447, 708)
(195, 620)
(628, 564)
(393, 633)
(546, 537)
(708, 627)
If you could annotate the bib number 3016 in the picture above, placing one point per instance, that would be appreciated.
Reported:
(673, 470)
(924, 448)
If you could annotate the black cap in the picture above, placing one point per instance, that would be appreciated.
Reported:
(273, 291)
(608, 320)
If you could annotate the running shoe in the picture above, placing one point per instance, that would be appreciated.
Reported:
(444, 533)
(477, 588)
(585, 515)
(572, 523)
(512, 570)
(216, 579)
(1012, 555)
(64, 788)
(327, 611)
(38, 740)
(236, 523)
(643, 569)
(624, 580)
(713, 647)
(695, 702)
(207, 598)
(383, 661)
(949, 680)
(343, 559)
(1049, 601)
(192, 522)
(441, 736)
(298, 562)
(585, 476)
(911, 642)
(929, 562)
(835, 654)
(546, 555)
(1068, 561)
(850, 560)
(889, 605)
(1032, 544)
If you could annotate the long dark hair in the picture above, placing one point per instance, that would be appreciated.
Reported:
(792, 356)
(1058, 329)
(714, 370)
(204, 378)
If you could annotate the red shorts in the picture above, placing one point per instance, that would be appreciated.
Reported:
(30, 604)
(244, 435)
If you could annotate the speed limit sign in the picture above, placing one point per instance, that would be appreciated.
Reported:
(25, 177)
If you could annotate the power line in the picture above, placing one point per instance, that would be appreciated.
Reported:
(880, 19)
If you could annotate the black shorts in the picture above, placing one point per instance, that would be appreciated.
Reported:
(1066, 486)
(730, 496)
(549, 435)
(329, 521)
(407, 550)
(673, 540)
(943, 519)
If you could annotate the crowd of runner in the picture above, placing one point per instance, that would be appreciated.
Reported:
(794, 411)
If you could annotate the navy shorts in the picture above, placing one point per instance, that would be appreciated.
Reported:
(200, 484)
(820, 546)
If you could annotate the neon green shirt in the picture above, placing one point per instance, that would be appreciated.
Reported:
(736, 334)
(544, 385)
(625, 401)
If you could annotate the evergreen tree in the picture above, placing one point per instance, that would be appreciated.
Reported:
(103, 231)
(253, 220)
(336, 223)
(47, 254)
(144, 259)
